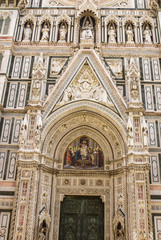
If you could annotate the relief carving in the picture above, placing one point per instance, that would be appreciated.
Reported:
(85, 86)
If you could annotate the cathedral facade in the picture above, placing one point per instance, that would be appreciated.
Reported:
(80, 132)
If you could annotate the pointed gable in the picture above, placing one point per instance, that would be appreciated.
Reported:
(89, 62)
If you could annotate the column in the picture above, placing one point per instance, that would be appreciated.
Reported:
(51, 32)
(33, 34)
(153, 34)
(141, 34)
(38, 34)
(105, 32)
(135, 32)
(21, 33)
(118, 33)
(123, 34)
(68, 36)
(76, 31)
(56, 33)
(98, 38)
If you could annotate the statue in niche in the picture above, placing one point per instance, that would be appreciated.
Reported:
(130, 133)
(63, 33)
(147, 35)
(87, 31)
(45, 33)
(145, 133)
(112, 35)
(134, 89)
(27, 33)
(130, 35)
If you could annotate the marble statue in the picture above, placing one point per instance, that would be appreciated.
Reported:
(134, 89)
(63, 33)
(147, 35)
(37, 138)
(145, 133)
(130, 35)
(130, 132)
(45, 33)
(87, 31)
(27, 33)
(112, 35)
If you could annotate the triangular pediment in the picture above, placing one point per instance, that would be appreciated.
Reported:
(85, 78)
(86, 85)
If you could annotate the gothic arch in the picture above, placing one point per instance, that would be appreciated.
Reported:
(111, 18)
(63, 17)
(70, 122)
(147, 19)
(29, 17)
(129, 19)
(47, 18)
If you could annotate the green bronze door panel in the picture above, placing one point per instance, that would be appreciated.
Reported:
(81, 218)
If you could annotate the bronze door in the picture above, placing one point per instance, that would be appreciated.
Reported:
(81, 218)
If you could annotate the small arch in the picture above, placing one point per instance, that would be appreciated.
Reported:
(146, 19)
(130, 32)
(62, 33)
(45, 30)
(129, 19)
